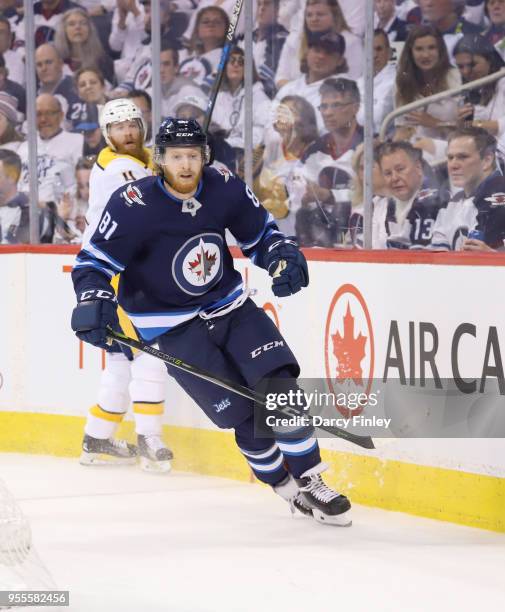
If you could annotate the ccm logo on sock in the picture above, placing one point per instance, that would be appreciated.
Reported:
(266, 347)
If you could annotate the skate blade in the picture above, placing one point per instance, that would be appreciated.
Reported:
(155, 467)
(103, 459)
(337, 520)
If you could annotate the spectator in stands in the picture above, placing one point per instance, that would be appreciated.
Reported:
(324, 216)
(407, 221)
(11, 88)
(194, 107)
(144, 103)
(10, 138)
(379, 202)
(173, 85)
(340, 101)
(139, 73)
(321, 17)
(476, 57)
(127, 34)
(268, 39)
(90, 85)
(229, 108)
(447, 17)
(495, 33)
(57, 153)
(424, 69)
(11, 10)
(383, 82)
(52, 80)
(325, 58)
(14, 219)
(202, 57)
(281, 184)
(13, 59)
(477, 211)
(78, 44)
(48, 14)
(94, 141)
(386, 18)
(82, 174)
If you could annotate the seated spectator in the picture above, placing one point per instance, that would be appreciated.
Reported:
(281, 186)
(82, 174)
(495, 33)
(90, 86)
(57, 154)
(11, 88)
(139, 73)
(321, 17)
(484, 107)
(11, 10)
(340, 101)
(447, 17)
(48, 14)
(229, 108)
(474, 219)
(379, 202)
(13, 58)
(10, 138)
(195, 107)
(14, 218)
(127, 34)
(424, 69)
(205, 46)
(386, 18)
(268, 39)
(324, 215)
(173, 85)
(143, 102)
(325, 58)
(383, 82)
(406, 221)
(94, 141)
(78, 44)
(52, 80)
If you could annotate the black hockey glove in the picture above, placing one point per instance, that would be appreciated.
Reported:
(95, 312)
(286, 264)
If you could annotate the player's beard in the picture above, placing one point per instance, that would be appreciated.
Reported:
(182, 186)
(136, 151)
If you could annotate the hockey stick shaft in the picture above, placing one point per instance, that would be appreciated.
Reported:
(230, 41)
(363, 441)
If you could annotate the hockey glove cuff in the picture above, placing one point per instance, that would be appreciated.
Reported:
(95, 312)
(287, 265)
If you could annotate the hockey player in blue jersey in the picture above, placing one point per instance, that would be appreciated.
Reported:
(166, 235)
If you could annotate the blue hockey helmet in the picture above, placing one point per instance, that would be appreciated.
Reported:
(180, 133)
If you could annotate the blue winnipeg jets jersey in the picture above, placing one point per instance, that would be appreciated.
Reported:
(171, 253)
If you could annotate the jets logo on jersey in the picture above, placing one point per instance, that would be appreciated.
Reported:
(198, 264)
(426, 193)
(132, 195)
(497, 199)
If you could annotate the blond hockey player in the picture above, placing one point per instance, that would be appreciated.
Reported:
(143, 378)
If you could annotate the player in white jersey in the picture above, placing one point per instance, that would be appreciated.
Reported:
(143, 378)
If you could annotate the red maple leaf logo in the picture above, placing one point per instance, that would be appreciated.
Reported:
(349, 351)
(202, 265)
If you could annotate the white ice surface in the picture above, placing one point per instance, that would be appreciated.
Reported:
(124, 541)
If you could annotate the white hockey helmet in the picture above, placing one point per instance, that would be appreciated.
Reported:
(116, 111)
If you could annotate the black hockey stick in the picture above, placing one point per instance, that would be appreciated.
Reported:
(230, 41)
(363, 441)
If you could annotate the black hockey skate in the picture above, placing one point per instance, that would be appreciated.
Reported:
(155, 456)
(328, 506)
(289, 491)
(96, 451)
